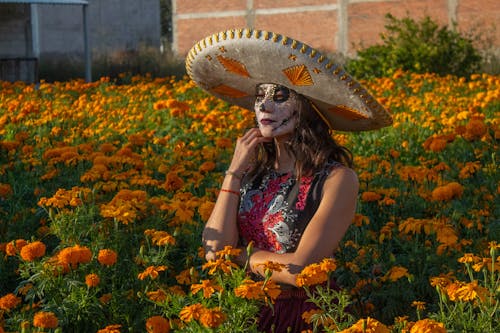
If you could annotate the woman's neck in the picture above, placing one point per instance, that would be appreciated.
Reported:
(285, 160)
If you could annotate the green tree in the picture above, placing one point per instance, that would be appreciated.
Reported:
(421, 47)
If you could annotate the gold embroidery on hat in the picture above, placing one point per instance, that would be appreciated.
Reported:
(313, 53)
(294, 44)
(321, 59)
(233, 66)
(222, 49)
(299, 75)
(316, 70)
(348, 112)
(229, 91)
(209, 57)
(292, 57)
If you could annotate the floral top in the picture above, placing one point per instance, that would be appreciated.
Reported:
(275, 209)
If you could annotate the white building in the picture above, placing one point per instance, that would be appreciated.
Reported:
(33, 29)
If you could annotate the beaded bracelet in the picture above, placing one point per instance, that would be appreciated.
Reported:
(232, 173)
(230, 191)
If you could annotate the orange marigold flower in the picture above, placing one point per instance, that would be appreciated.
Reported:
(219, 265)
(187, 276)
(14, 247)
(419, 305)
(308, 315)
(208, 287)
(92, 280)
(311, 275)
(9, 302)
(74, 255)
(427, 326)
(249, 290)
(107, 257)
(271, 289)
(470, 292)
(369, 196)
(469, 258)
(157, 295)
(110, 329)
(205, 209)
(212, 318)
(152, 272)
(328, 265)
(447, 192)
(5, 190)
(44, 319)
(207, 166)
(33, 251)
(368, 325)
(396, 273)
(191, 312)
(104, 299)
(228, 251)
(272, 266)
(157, 324)
(159, 237)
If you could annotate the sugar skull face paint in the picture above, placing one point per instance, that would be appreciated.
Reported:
(276, 109)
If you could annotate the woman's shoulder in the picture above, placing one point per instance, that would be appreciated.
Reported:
(341, 175)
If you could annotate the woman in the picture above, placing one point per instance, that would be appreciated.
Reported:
(289, 188)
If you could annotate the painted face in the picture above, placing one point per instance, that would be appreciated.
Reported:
(276, 109)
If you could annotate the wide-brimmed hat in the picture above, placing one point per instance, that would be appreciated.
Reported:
(230, 64)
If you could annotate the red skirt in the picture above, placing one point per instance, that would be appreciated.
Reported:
(287, 314)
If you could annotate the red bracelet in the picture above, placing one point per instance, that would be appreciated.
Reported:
(230, 191)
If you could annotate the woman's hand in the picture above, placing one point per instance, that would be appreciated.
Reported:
(245, 150)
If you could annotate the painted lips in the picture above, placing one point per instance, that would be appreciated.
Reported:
(266, 121)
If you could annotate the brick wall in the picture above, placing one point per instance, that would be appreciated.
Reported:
(329, 25)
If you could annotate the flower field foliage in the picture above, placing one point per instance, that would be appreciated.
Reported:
(105, 188)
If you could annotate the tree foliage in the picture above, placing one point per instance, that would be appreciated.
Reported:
(417, 46)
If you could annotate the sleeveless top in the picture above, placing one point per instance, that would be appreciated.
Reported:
(275, 209)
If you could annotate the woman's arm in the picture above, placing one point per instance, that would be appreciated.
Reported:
(323, 233)
(221, 228)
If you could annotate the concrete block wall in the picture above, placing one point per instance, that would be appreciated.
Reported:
(340, 26)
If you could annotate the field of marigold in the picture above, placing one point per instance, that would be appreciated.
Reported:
(105, 187)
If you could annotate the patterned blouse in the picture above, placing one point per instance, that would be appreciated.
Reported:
(275, 209)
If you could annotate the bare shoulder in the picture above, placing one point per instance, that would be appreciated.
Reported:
(342, 176)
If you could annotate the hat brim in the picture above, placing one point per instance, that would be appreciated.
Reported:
(230, 64)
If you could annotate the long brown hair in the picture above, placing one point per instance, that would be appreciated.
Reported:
(311, 144)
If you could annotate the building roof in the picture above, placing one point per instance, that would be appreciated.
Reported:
(53, 2)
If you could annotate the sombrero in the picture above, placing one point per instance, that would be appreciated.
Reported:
(231, 63)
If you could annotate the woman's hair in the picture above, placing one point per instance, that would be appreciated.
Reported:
(312, 145)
